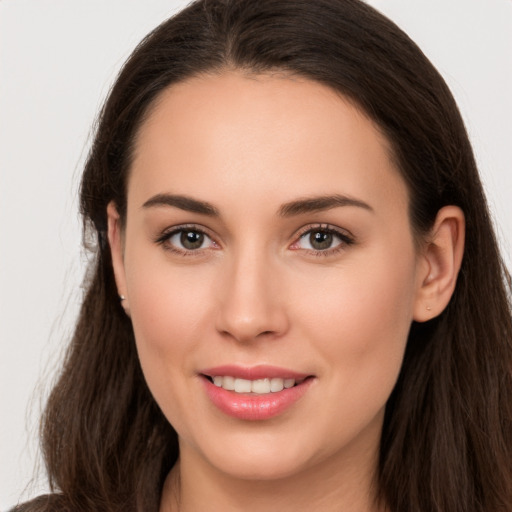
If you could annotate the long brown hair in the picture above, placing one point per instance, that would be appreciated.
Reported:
(447, 435)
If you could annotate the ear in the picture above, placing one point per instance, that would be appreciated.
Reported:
(440, 263)
(115, 241)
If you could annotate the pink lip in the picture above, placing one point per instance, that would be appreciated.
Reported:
(251, 406)
(253, 372)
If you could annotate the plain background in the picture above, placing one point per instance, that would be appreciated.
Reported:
(57, 61)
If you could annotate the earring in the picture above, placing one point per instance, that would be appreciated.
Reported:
(125, 305)
(429, 308)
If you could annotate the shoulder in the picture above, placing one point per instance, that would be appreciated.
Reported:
(46, 503)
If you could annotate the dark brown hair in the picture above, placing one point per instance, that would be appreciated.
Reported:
(447, 435)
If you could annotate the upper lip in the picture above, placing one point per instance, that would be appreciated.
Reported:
(253, 372)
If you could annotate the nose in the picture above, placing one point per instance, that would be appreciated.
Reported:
(251, 301)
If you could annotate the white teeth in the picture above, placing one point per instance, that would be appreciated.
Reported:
(242, 386)
(289, 383)
(276, 384)
(228, 383)
(258, 386)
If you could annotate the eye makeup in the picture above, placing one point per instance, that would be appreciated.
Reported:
(318, 240)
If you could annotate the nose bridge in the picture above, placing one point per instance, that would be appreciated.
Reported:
(250, 300)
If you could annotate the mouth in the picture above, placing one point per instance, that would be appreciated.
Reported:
(257, 393)
(257, 386)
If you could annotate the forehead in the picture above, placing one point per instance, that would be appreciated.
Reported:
(273, 135)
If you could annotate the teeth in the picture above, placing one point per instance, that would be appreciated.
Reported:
(242, 386)
(289, 383)
(276, 385)
(259, 386)
(228, 383)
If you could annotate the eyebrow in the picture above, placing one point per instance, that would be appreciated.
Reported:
(320, 203)
(183, 203)
(297, 207)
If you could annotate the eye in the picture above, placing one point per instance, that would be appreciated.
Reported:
(186, 239)
(189, 240)
(318, 240)
(322, 239)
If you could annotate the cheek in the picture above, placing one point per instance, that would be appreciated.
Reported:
(168, 307)
(360, 321)
(167, 301)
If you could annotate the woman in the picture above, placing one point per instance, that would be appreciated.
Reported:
(289, 306)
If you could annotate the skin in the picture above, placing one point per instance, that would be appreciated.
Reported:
(258, 292)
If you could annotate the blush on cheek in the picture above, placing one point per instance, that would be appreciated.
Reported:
(362, 329)
(166, 314)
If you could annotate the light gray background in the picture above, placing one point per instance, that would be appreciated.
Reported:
(57, 61)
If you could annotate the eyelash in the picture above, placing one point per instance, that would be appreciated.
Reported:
(345, 238)
(165, 237)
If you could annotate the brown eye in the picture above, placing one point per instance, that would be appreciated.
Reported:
(185, 240)
(191, 240)
(321, 240)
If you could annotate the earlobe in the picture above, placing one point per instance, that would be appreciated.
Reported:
(116, 249)
(441, 261)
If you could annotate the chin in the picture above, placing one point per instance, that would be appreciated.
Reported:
(263, 457)
(262, 468)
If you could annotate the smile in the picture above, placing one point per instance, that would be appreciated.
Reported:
(257, 393)
(258, 386)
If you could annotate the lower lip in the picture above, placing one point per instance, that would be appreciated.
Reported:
(255, 407)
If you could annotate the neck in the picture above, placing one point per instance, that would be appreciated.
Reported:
(194, 484)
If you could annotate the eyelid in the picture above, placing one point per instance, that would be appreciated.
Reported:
(346, 238)
(344, 235)
(164, 236)
(322, 226)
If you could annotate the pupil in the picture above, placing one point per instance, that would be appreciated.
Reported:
(320, 240)
(191, 239)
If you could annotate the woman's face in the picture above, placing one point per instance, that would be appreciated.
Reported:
(267, 245)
